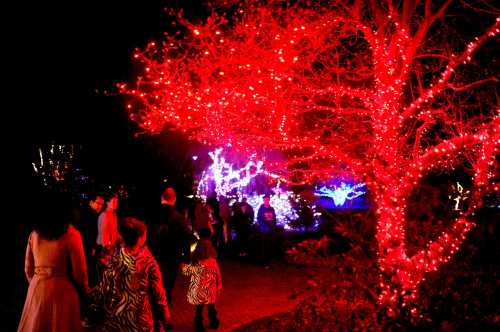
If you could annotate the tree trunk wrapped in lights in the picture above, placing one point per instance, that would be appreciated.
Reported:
(385, 91)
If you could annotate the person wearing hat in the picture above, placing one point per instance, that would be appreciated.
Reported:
(266, 216)
(266, 220)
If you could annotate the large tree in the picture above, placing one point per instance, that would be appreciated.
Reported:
(386, 91)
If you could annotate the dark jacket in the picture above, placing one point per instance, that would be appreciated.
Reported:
(243, 219)
(170, 236)
(86, 223)
(266, 218)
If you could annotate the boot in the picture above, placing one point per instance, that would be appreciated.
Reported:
(198, 325)
(212, 315)
(198, 319)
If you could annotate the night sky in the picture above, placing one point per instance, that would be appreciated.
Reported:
(72, 52)
(79, 51)
(83, 48)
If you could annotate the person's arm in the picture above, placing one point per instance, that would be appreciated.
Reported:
(186, 237)
(78, 263)
(100, 221)
(106, 230)
(219, 278)
(119, 239)
(158, 295)
(29, 260)
(259, 216)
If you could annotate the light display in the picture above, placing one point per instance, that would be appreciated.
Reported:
(229, 181)
(57, 167)
(53, 162)
(460, 195)
(341, 193)
(223, 178)
(280, 201)
(385, 93)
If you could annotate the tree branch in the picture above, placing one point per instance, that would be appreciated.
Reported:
(470, 85)
(436, 88)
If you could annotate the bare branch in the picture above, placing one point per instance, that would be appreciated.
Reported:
(470, 85)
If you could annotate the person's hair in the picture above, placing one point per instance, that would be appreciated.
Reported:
(55, 211)
(169, 194)
(131, 229)
(93, 195)
(204, 233)
(204, 249)
(109, 197)
(267, 196)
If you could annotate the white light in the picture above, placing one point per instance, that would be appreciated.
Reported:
(342, 193)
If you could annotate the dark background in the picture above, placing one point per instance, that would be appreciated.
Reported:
(78, 52)
(68, 55)
(71, 52)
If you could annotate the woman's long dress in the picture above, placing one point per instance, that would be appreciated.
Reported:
(54, 269)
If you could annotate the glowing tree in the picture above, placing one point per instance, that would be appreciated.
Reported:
(226, 180)
(385, 91)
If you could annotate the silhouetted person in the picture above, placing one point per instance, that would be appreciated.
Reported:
(266, 219)
(170, 240)
(225, 216)
(107, 232)
(243, 218)
(87, 225)
(218, 223)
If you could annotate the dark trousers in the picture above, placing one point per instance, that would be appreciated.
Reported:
(212, 316)
(169, 270)
(91, 268)
(267, 247)
(242, 239)
(218, 237)
(99, 268)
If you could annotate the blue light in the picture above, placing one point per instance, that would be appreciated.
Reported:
(340, 194)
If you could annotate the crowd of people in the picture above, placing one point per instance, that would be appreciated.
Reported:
(111, 272)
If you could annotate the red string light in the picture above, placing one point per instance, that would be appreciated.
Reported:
(333, 90)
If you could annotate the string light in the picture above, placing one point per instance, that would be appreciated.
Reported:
(226, 180)
(341, 193)
(330, 92)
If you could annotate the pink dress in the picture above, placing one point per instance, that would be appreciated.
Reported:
(52, 268)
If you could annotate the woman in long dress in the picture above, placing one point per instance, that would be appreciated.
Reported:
(56, 271)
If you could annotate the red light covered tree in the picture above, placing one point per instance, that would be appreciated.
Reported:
(385, 91)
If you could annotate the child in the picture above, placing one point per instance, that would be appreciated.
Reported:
(131, 294)
(206, 281)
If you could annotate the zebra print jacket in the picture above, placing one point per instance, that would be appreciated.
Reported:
(130, 292)
(206, 281)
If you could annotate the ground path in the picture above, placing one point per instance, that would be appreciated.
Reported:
(249, 292)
